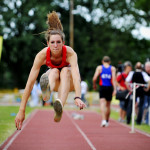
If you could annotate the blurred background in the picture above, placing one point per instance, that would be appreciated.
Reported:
(119, 29)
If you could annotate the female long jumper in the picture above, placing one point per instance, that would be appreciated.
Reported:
(63, 75)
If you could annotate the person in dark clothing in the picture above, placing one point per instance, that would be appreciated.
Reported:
(137, 76)
(122, 87)
(147, 96)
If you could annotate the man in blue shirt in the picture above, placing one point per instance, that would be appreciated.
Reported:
(107, 82)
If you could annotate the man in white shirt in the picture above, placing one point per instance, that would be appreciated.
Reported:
(84, 88)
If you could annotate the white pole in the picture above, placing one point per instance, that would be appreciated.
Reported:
(133, 107)
(71, 23)
(149, 115)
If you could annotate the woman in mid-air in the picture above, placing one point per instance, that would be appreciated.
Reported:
(63, 75)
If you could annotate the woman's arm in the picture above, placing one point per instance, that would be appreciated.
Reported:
(72, 59)
(128, 80)
(38, 62)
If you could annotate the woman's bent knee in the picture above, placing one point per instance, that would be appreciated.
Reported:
(54, 73)
(65, 72)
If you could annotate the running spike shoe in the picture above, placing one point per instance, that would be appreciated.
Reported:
(58, 108)
(44, 83)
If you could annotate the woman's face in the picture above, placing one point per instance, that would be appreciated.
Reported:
(55, 43)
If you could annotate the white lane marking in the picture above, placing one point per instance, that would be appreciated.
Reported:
(82, 133)
(15, 136)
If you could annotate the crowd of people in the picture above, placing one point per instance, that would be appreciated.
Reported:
(125, 80)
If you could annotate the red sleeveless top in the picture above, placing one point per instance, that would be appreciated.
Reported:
(63, 63)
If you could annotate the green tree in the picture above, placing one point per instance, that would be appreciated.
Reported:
(22, 21)
(100, 28)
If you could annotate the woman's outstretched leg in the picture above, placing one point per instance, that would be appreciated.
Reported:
(63, 91)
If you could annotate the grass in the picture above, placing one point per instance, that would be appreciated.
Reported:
(115, 115)
(7, 123)
(143, 127)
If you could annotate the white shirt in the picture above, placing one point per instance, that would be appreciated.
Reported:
(84, 87)
(144, 74)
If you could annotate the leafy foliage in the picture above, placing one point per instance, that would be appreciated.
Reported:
(100, 28)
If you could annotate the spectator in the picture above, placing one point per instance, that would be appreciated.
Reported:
(122, 86)
(84, 88)
(137, 76)
(120, 68)
(35, 93)
(147, 95)
(107, 84)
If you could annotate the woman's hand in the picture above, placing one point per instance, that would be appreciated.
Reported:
(79, 103)
(19, 119)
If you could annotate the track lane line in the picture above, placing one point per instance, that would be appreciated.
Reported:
(82, 133)
(17, 133)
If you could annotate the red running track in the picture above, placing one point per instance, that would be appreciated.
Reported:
(40, 132)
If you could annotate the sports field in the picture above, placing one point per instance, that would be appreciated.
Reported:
(40, 132)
